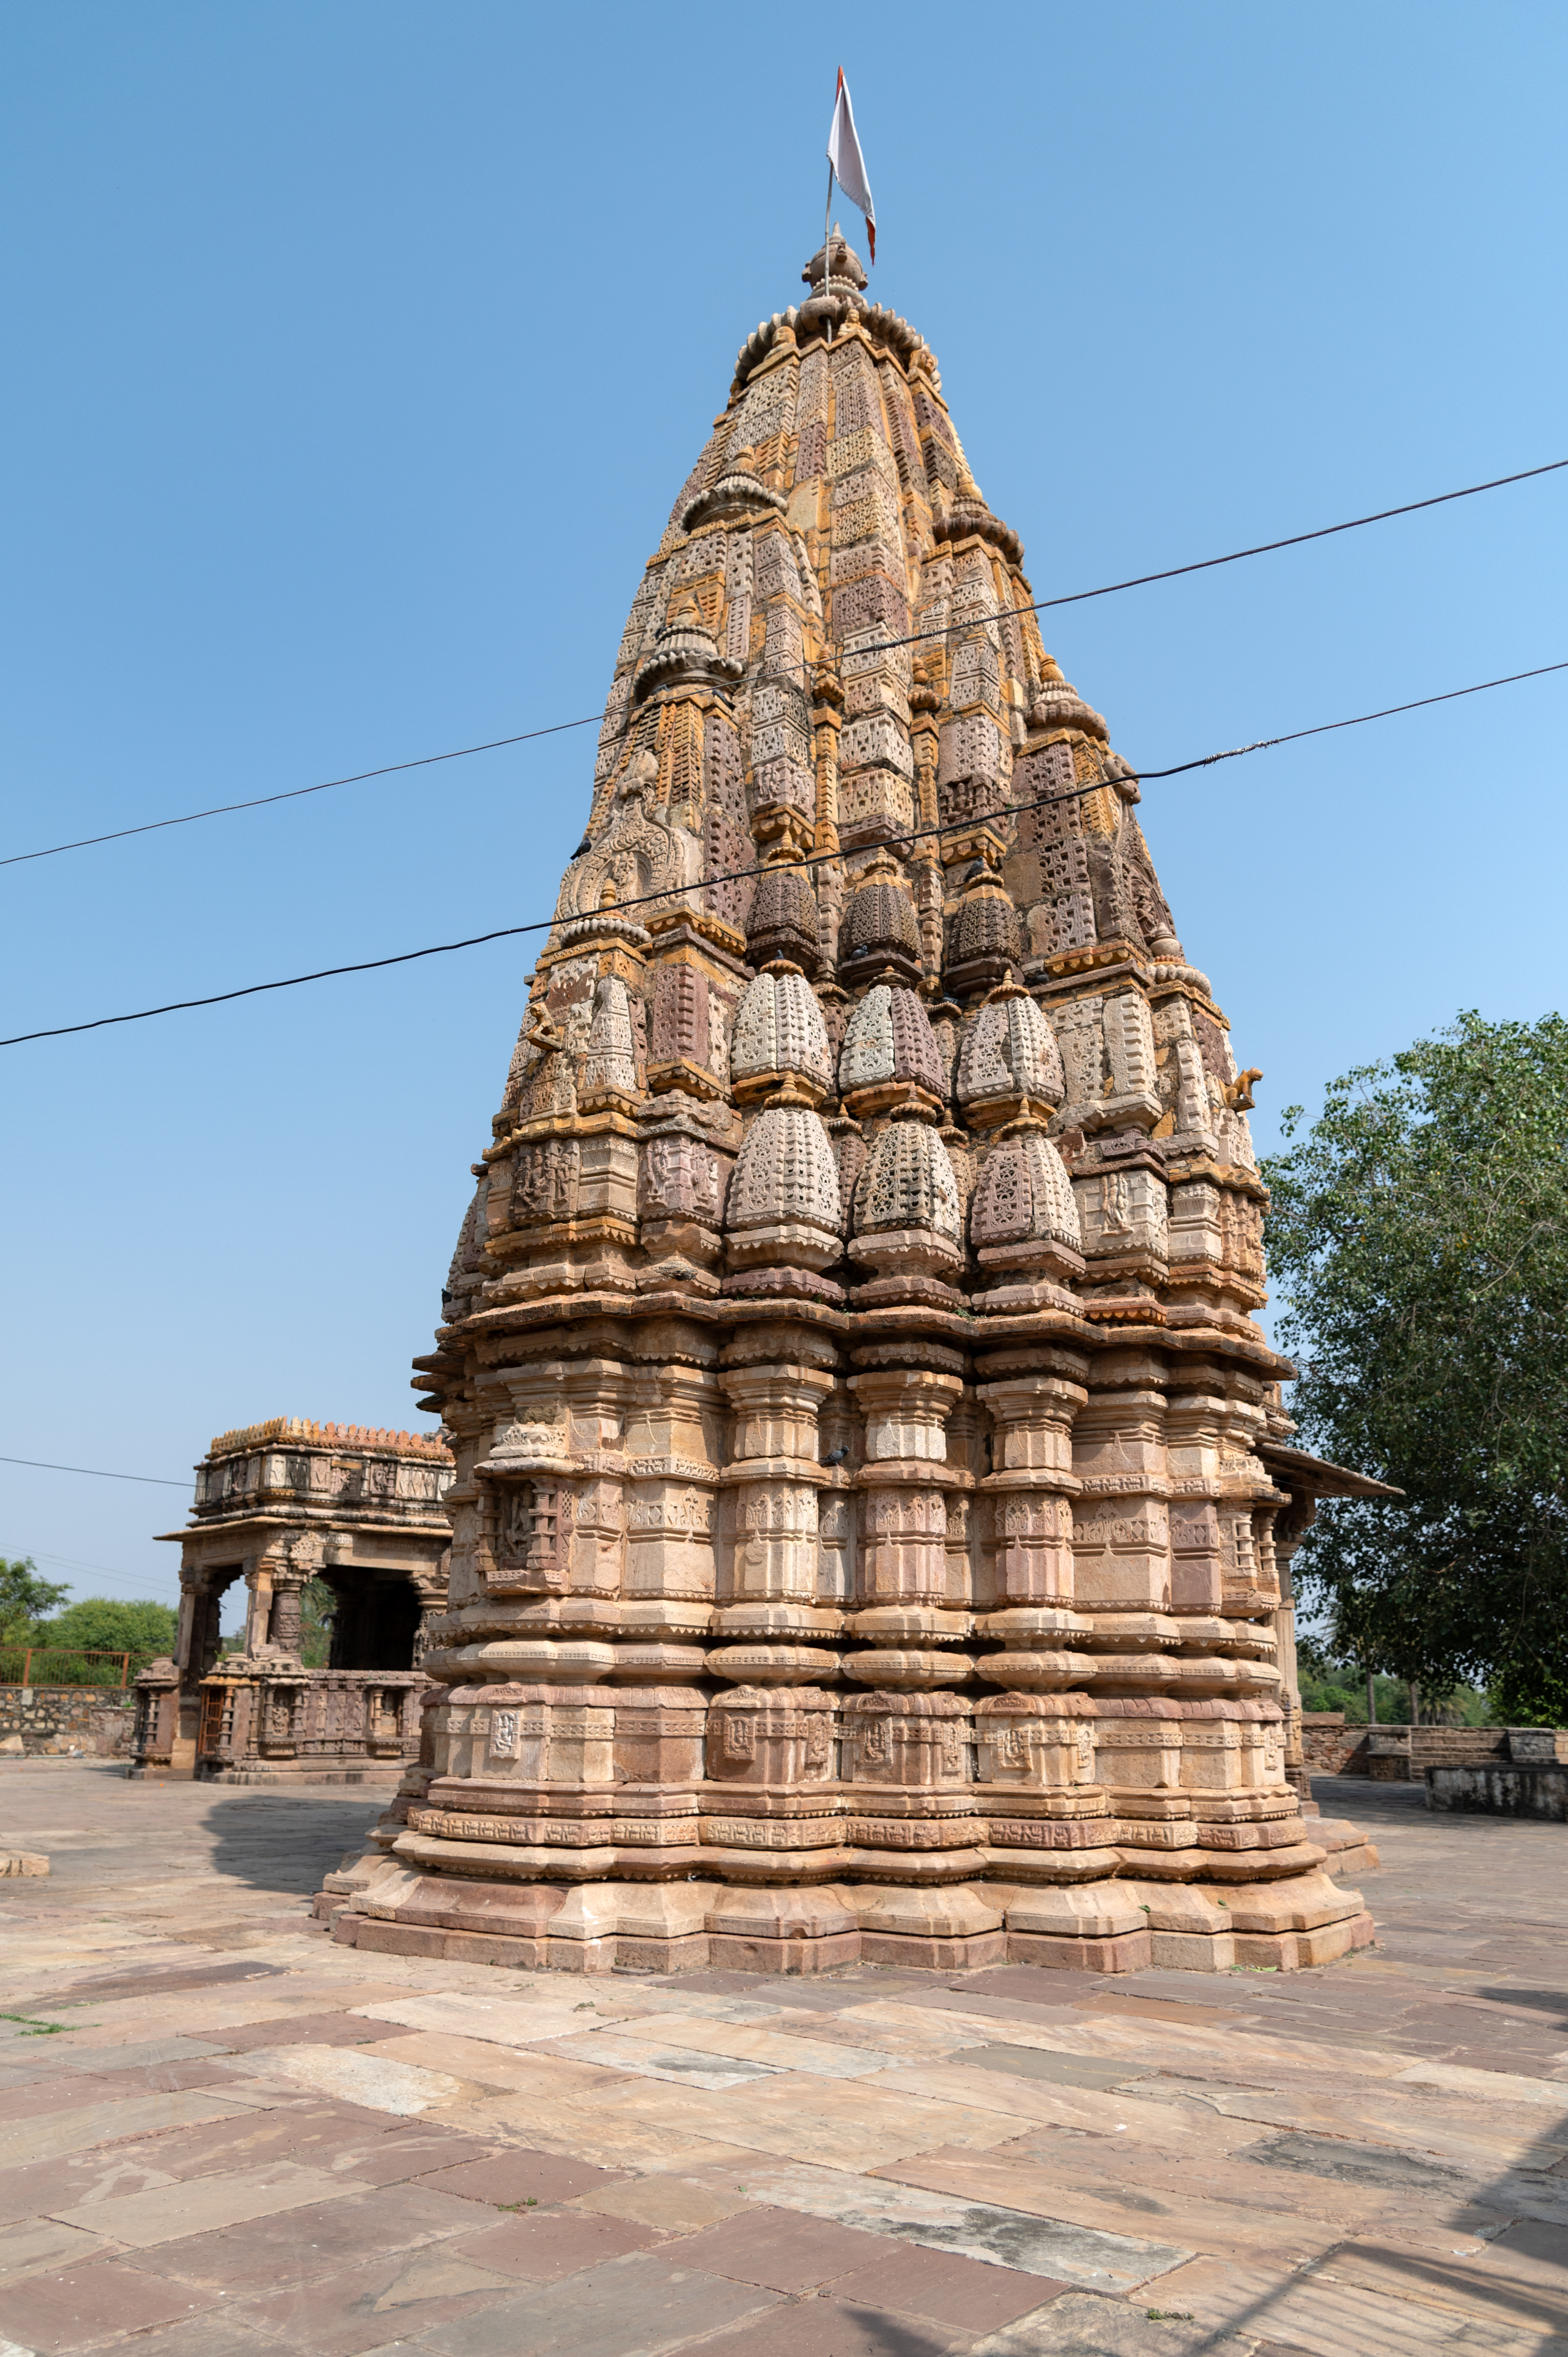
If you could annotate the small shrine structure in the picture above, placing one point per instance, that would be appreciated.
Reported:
(869, 1461)
(277, 1505)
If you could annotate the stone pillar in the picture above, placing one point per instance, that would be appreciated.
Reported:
(259, 1572)
(1031, 1485)
(1194, 1418)
(774, 1475)
(284, 1634)
(1121, 1524)
(827, 717)
(903, 1557)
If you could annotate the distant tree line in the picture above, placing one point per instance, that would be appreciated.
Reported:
(1419, 1235)
(31, 1617)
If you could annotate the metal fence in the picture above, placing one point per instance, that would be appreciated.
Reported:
(64, 1665)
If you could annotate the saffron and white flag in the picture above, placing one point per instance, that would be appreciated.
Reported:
(848, 163)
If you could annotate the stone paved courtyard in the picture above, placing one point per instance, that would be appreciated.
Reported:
(251, 2140)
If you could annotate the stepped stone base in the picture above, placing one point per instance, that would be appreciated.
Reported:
(1115, 1926)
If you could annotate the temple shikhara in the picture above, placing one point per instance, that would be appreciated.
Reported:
(871, 1489)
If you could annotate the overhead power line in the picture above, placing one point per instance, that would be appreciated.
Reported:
(1207, 563)
(154, 1481)
(297, 794)
(737, 875)
(556, 728)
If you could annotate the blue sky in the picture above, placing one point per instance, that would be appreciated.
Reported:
(357, 350)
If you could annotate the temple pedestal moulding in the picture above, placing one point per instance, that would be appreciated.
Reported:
(872, 1486)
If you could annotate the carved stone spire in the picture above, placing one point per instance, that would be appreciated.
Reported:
(862, 1542)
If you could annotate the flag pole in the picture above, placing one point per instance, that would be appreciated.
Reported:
(828, 247)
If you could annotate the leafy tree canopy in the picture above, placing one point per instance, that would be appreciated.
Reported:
(102, 1623)
(1419, 1235)
(24, 1599)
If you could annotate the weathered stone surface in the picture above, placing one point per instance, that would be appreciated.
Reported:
(864, 1519)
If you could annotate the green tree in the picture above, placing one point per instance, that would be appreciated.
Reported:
(24, 1599)
(104, 1624)
(316, 1605)
(1419, 1235)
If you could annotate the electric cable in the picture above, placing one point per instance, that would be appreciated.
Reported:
(883, 646)
(154, 1481)
(297, 794)
(1207, 563)
(816, 859)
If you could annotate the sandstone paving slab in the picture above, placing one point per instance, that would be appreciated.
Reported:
(41, 2188)
(92, 2306)
(354, 2309)
(1245, 2197)
(519, 2176)
(336, 2136)
(883, 2030)
(524, 2068)
(1081, 2324)
(1151, 2112)
(597, 2133)
(275, 2247)
(336, 2028)
(35, 2244)
(679, 2205)
(136, 2054)
(1393, 2176)
(740, 2041)
(1057, 2067)
(46, 2134)
(65, 2090)
(212, 2334)
(198, 2205)
(855, 2125)
(515, 2020)
(829, 2327)
(1329, 2310)
(941, 2287)
(784, 2250)
(152, 1982)
(1476, 2135)
(1101, 2198)
(649, 2058)
(373, 2081)
(634, 2306)
(543, 2246)
(988, 2231)
(1491, 2086)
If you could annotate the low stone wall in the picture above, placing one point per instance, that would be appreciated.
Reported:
(1397, 1754)
(94, 1719)
(1502, 1789)
(1327, 1743)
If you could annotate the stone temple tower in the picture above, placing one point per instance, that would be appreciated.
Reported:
(862, 1548)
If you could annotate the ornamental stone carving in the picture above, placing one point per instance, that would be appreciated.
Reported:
(867, 1457)
(1009, 1054)
(888, 1048)
(778, 1029)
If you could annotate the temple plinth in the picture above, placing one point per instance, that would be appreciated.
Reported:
(862, 1548)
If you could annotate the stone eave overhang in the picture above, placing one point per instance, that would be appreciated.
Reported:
(421, 1520)
(1300, 1470)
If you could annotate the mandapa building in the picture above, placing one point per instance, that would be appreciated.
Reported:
(864, 1523)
